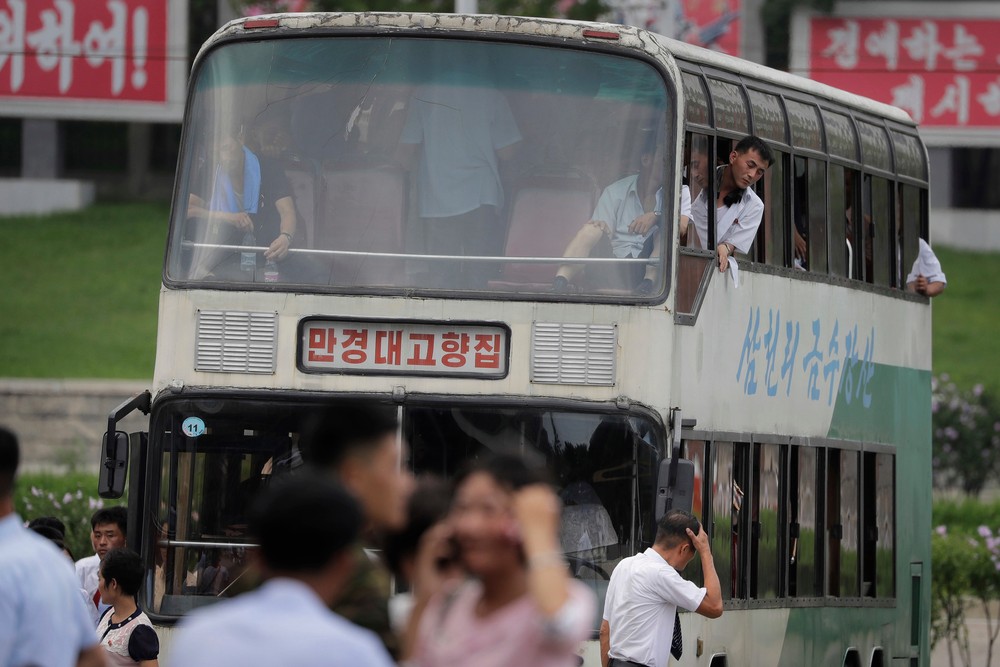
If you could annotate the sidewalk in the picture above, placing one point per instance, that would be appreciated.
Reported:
(975, 621)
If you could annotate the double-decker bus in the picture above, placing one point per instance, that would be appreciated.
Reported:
(427, 174)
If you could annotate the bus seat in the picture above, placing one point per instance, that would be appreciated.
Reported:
(303, 177)
(363, 211)
(546, 213)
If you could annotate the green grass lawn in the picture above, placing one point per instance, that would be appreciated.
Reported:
(80, 298)
(80, 292)
(967, 319)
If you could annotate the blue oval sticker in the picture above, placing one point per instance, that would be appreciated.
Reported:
(192, 427)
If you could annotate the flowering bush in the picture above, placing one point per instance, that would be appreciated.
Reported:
(71, 498)
(966, 436)
(964, 567)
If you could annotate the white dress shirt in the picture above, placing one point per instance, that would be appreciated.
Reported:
(736, 224)
(927, 265)
(643, 596)
(283, 622)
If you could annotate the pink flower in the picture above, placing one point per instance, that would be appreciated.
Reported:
(984, 531)
(942, 530)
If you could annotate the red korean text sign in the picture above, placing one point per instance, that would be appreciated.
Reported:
(943, 72)
(84, 49)
(403, 348)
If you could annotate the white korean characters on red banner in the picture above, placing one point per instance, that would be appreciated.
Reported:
(944, 72)
(403, 348)
(91, 51)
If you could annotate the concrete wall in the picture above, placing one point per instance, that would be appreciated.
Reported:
(966, 229)
(60, 422)
(41, 196)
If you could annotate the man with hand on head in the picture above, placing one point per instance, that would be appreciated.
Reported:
(641, 626)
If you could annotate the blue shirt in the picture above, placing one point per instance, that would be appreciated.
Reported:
(42, 618)
(282, 623)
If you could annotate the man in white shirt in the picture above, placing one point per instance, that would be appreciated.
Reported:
(305, 525)
(646, 589)
(43, 621)
(107, 531)
(926, 277)
(738, 209)
(627, 217)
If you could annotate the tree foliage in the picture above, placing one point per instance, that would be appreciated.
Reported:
(966, 436)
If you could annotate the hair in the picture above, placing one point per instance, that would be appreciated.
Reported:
(10, 457)
(52, 535)
(671, 529)
(55, 523)
(428, 504)
(337, 432)
(125, 567)
(512, 471)
(752, 143)
(117, 515)
(302, 521)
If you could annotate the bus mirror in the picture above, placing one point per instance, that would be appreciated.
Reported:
(681, 495)
(114, 465)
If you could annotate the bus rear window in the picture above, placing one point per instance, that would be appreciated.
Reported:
(358, 164)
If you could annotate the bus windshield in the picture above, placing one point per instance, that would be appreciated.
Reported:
(401, 165)
(604, 465)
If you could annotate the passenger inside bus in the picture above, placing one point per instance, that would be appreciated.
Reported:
(457, 133)
(738, 208)
(627, 224)
(245, 199)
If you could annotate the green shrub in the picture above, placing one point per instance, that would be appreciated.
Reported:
(70, 497)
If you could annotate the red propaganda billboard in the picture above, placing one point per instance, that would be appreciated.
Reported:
(121, 59)
(715, 24)
(942, 70)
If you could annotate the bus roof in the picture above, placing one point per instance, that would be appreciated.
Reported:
(581, 31)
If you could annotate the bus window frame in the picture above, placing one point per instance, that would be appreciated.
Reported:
(789, 444)
(673, 92)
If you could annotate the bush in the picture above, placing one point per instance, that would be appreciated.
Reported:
(966, 429)
(70, 497)
(964, 567)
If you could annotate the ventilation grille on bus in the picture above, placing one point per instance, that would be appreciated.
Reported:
(231, 341)
(573, 353)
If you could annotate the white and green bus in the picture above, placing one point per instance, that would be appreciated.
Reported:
(801, 395)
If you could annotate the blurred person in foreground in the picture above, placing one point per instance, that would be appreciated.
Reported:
(43, 621)
(519, 605)
(357, 446)
(428, 505)
(305, 525)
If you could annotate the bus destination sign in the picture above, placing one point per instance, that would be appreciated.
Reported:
(403, 348)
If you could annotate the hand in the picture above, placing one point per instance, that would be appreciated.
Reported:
(801, 247)
(278, 248)
(643, 223)
(536, 512)
(723, 250)
(241, 221)
(700, 541)
(435, 546)
(921, 285)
